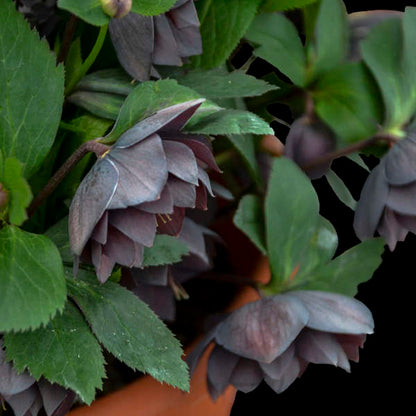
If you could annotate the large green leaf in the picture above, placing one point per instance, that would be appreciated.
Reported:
(292, 213)
(64, 352)
(347, 271)
(269, 6)
(59, 234)
(347, 99)
(149, 97)
(230, 121)
(31, 93)
(32, 283)
(218, 83)
(129, 329)
(390, 53)
(223, 23)
(330, 41)
(165, 250)
(278, 43)
(249, 219)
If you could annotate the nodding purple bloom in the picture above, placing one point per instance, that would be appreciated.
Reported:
(27, 397)
(158, 286)
(143, 41)
(308, 140)
(388, 199)
(276, 337)
(140, 186)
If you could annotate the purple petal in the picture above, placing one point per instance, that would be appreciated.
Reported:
(103, 264)
(22, 403)
(160, 299)
(321, 348)
(192, 235)
(100, 231)
(132, 37)
(351, 344)
(264, 329)
(163, 205)
(399, 162)
(56, 399)
(90, 201)
(194, 356)
(155, 275)
(166, 121)
(280, 365)
(181, 161)
(204, 178)
(184, 14)
(202, 152)
(403, 199)
(183, 193)
(137, 225)
(143, 172)
(332, 312)
(246, 376)
(201, 200)
(171, 224)
(165, 47)
(10, 381)
(391, 229)
(221, 364)
(371, 204)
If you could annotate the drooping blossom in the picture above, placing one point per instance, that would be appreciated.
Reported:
(27, 397)
(158, 286)
(140, 186)
(388, 199)
(275, 338)
(143, 41)
(308, 140)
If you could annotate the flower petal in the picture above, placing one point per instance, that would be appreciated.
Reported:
(391, 229)
(100, 231)
(165, 48)
(163, 205)
(143, 172)
(332, 312)
(351, 344)
(22, 403)
(246, 375)
(285, 379)
(400, 166)
(132, 37)
(403, 199)
(171, 224)
(280, 365)
(159, 298)
(103, 263)
(56, 399)
(90, 201)
(155, 275)
(204, 178)
(201, 200)
(264, 329)
(183, 193)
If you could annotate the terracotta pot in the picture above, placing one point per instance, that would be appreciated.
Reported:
(148, 397)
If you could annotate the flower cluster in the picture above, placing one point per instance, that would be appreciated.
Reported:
(276, 337)
(140, 186)
(387, 201)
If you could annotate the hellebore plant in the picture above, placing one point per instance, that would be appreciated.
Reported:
(153, 154)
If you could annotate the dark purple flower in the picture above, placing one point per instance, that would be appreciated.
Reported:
(276, 337)
(140, 186)
(143, 41)
(26, 396)
(388, 199)
(158, 286)
(308, 140)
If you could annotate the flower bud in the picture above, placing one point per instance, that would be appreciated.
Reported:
(4, 197)
(116, 8)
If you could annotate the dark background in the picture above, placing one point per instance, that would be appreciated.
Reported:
(383, 377)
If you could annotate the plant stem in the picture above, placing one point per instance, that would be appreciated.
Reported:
(60, 174)
(90, 59)
(68, 35)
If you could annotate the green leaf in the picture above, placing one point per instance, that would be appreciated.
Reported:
(218, 83)
(64, 352)
(390, 53)
(31, 93)
(249, 219)
(278, 43)
(330, 42)
(20, 194)
(356, 158)
(113, 81)
(230, 121)
(347, 271)
(165, 250)
(59, 234)
(341, 190)
(270, 6)
(152, 7)
(130, 330)
(73, 62)
(98, 103)
(222, 26)
(149, 97)
(89, 10)
(292, 212)
(32, 284)
(347, 99)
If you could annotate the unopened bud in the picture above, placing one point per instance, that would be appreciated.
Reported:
(4, 197)
(116, 8)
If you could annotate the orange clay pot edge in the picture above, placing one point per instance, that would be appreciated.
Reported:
(148, 397)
